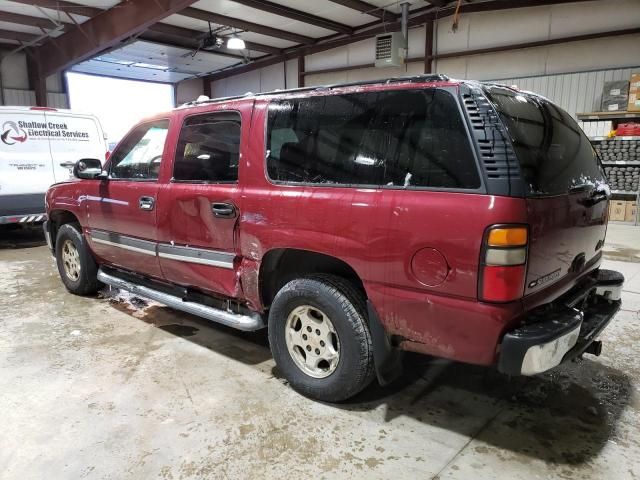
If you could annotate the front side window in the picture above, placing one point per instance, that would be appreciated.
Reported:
(139, 156)
(209, 149)
(394, 138)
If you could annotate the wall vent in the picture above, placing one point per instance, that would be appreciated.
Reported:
(389, 50)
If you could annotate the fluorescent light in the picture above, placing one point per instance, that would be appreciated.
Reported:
(235, 43)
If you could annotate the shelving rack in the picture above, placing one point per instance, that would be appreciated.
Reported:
(616, 117)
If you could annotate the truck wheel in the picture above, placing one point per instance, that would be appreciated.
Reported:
(319, 337)
(78, 270)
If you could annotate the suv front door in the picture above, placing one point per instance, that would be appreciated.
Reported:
(122, 213)
(199, 209)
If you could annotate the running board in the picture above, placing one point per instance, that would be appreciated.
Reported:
(248, 322)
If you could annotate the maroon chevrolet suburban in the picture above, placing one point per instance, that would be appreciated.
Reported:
(452, 218)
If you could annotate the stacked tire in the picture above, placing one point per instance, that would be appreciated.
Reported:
(623, 177)
(613, 150)
(620, 177)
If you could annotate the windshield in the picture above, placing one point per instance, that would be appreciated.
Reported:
(555, 155)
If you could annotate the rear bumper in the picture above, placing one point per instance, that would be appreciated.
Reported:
(22, 205)
(558, 332)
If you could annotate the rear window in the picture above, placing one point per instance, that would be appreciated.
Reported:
(555, 155)
(394, 138)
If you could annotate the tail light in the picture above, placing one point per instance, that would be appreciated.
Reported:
(107, 154)
(503, 265)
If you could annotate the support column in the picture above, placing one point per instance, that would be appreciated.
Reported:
(206, 87)
(37, 81)
(428, 46)
(300, 71)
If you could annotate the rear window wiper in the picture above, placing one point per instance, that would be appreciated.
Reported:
(598, 193)
(581, 188)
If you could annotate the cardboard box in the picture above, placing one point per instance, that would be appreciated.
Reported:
(634, 93)
(618, 210)
(630, 212)
(615, 96)
(634, 102)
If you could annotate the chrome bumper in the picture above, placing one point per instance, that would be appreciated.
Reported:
(559, 332)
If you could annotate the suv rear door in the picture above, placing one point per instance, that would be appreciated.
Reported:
(565, 185)
(199, 210)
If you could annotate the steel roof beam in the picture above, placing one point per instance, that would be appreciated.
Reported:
(63, 6)
(218, 19)
(333, 41)
(103, 31)
(367, 8)
(39, 22)
(187, 33)
(163, 28)
(18, 36)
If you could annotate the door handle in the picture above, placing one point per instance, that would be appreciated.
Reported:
(146, 203)
(68, 164)
(223, 210)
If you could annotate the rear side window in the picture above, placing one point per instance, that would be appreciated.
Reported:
(554, 153)
(394, 138)
(209, 148)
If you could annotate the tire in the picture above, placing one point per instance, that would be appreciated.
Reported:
(81, 280)
(319, 298)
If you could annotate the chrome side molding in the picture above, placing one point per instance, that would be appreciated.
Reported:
(248, 322)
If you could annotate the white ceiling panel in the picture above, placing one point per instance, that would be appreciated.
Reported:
(330, 11)
(103, 4)
(395, 6)
(194, 24)
(236, 10)
(33, 11)
(14, 27)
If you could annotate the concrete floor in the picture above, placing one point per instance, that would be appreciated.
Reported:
(113, 388)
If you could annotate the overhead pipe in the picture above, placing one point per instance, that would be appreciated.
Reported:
(404, 27)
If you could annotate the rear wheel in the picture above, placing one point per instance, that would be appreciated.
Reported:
(319, 337)
(78, 270)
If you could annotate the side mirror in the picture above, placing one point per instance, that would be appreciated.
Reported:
(89, 169)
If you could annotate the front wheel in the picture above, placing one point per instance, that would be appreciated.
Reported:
(320, 339)
(78, 270)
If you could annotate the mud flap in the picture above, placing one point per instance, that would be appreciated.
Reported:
(387, 360)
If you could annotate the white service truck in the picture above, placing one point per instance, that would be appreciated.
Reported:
(39, 147)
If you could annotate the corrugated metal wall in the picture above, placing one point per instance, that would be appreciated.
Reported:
(575, 92)
(26, 98)
(20, 98)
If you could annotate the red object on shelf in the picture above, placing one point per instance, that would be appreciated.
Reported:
(628, 130)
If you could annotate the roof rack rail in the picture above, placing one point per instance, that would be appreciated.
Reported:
(407, 79)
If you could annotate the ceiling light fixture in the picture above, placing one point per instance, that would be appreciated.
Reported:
(235, 43)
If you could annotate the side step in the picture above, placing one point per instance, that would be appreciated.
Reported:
(248, 322)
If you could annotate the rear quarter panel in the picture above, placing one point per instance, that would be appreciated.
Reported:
(378, 232)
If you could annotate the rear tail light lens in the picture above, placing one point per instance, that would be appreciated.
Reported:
(503, 265)
(507, 237)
